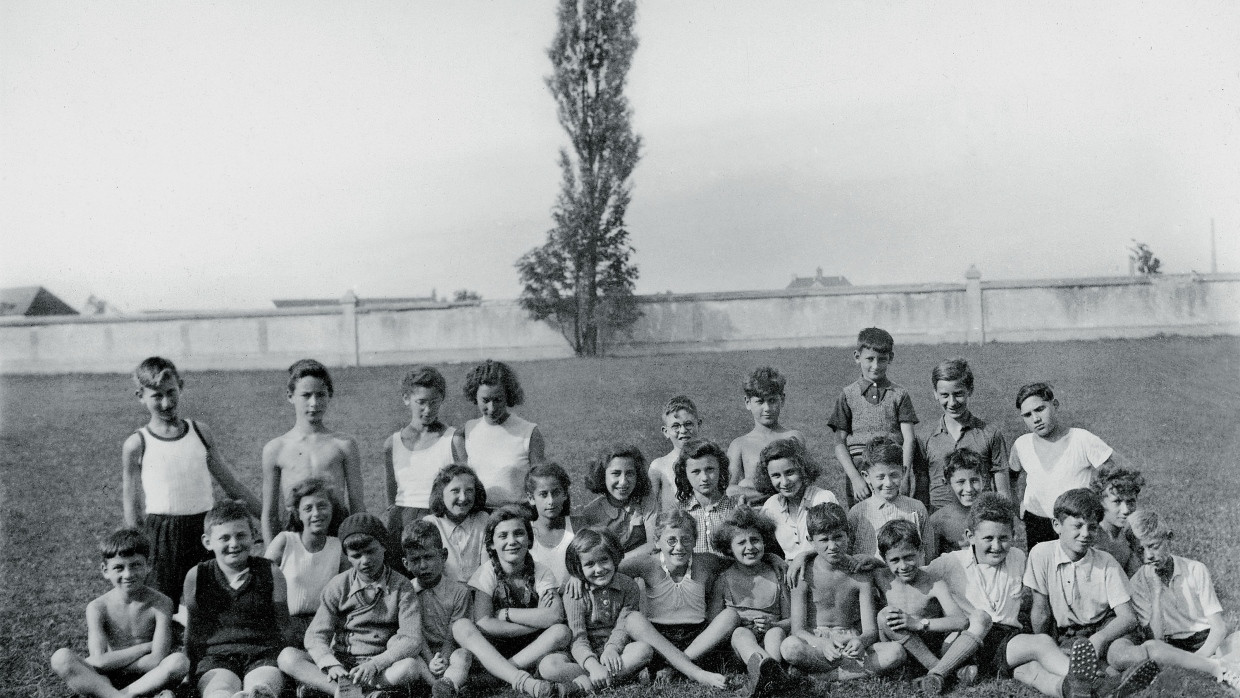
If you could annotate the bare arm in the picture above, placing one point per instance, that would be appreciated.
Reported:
(101, 656)
(953, 618)
(716, 604)
(656, 486)
(1124, 621)
(353, 476)
(224, 475)
(1003, 482)
(1218, 632)
(798, 610)
(279, 599)
(785, 605)
(861, 489)
(549, 612)
(131, 481)
(869, 615)
(537, 447)
(459, 454)
(275, 549)
(189, 595)
(389, 471)
(271, 490)
(1040, 614)
(910, 447)
(736, 468)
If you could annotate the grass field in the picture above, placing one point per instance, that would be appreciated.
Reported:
(1169, 405)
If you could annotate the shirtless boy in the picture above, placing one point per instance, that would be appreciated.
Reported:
(309, 449)
(129, 630)
(834, 623)
(764, 398)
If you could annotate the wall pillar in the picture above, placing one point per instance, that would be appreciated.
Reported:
(350, 351)
(976, 333)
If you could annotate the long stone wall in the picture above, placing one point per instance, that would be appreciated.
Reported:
(972, 311)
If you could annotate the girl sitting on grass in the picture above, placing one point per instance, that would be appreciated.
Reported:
(601, 648)
(701, 487)
(624, 505)
(518, 616)
(308, 551)
(458, 510)
(546, 490)
(787, 473)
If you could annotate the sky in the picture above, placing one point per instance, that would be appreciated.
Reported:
(219, 155)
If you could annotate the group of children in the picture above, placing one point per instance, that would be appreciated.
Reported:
(482, 559)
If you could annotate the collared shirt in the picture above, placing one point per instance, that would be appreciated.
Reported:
(464, 544)
(934, 445)
(857, 429)
(1080, 592)
(708, 518)
(995, 590)
(442, 605)
(597, 618)
(379, 620)
(790, 528)
(869, 515)
(1186, 603)
(627, 523)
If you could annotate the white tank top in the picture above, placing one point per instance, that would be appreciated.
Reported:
(306, 572)
(415, 471)
(677, 603)
(175, 479)
(500, 455)
(553, 558)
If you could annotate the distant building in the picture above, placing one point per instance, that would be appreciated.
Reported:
(31, 301)
(802, 283)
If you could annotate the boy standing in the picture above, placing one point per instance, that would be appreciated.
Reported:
(368, 628)
(884, 471)
(1057, 458)
(442, 665)
(948, 527)
(833, 618)
(1080, 595)
(129, 630)
(1178, 611)
(764, 398)
(873, 406)
(1118, 488)
(237, 611)
(309, 449)
(680, 424)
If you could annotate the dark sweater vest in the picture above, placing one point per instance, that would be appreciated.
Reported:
(236, 621)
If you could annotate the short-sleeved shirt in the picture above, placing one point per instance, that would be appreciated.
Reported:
(1080, 592)
(752, 595)
(464, 544)
(627, 523)
(995, 590)
(442, 605)
(1186, 602)
(1082, 452)
(708, 519)
(869, 515)
(866, 409)
(936, 444)
(486, 581)
(790, 527)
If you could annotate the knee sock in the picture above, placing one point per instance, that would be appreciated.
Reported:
(960, 650)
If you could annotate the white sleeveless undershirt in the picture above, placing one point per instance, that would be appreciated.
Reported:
(553, 558)
(500, 455)
(306, 572)
(415, 471)
(175, 479)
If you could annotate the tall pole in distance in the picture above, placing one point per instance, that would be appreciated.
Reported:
(1213, 250)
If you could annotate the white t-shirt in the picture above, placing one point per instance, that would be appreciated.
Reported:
(485, 580)
(1081, 453)
(995, 590)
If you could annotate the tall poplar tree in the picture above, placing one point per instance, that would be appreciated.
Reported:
(582, 276)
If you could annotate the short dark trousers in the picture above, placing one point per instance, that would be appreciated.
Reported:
(992, 655)
(176, 547)
(239, 664)
(1038, 529)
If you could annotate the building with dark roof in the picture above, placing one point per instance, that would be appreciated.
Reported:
(31, 301)
(804, 283)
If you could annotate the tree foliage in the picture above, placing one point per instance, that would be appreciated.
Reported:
(582, 277)
(1143, 259)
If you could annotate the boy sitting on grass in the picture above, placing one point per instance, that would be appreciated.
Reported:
(368, 629)
(128, 630)
(947, 530)
(921, 610)
(1081, 598)
(764, 398)
(443, 665)
(883, 467)
(833, 618)
(1118, 488)
(1181, 620)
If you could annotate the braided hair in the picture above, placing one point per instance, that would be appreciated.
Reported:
(515, 590)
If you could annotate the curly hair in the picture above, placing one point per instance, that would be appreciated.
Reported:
(742, 518)
(307, 487)
(495, 373)
(693, 449)
(424, 377)
(308, 368)
(1125, 481)
(765, 381)
(596, 470)
(992, 507)
(511, 591)
(789, 449)
(445, 476)
(588, 540)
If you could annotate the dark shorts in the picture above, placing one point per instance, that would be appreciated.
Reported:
(992, 655)
(509, 646)
(239, 664)
(1038, 529)
(1191, 643)
(681, 634)
(298, 624)
(1065, 635)
(176, 547)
